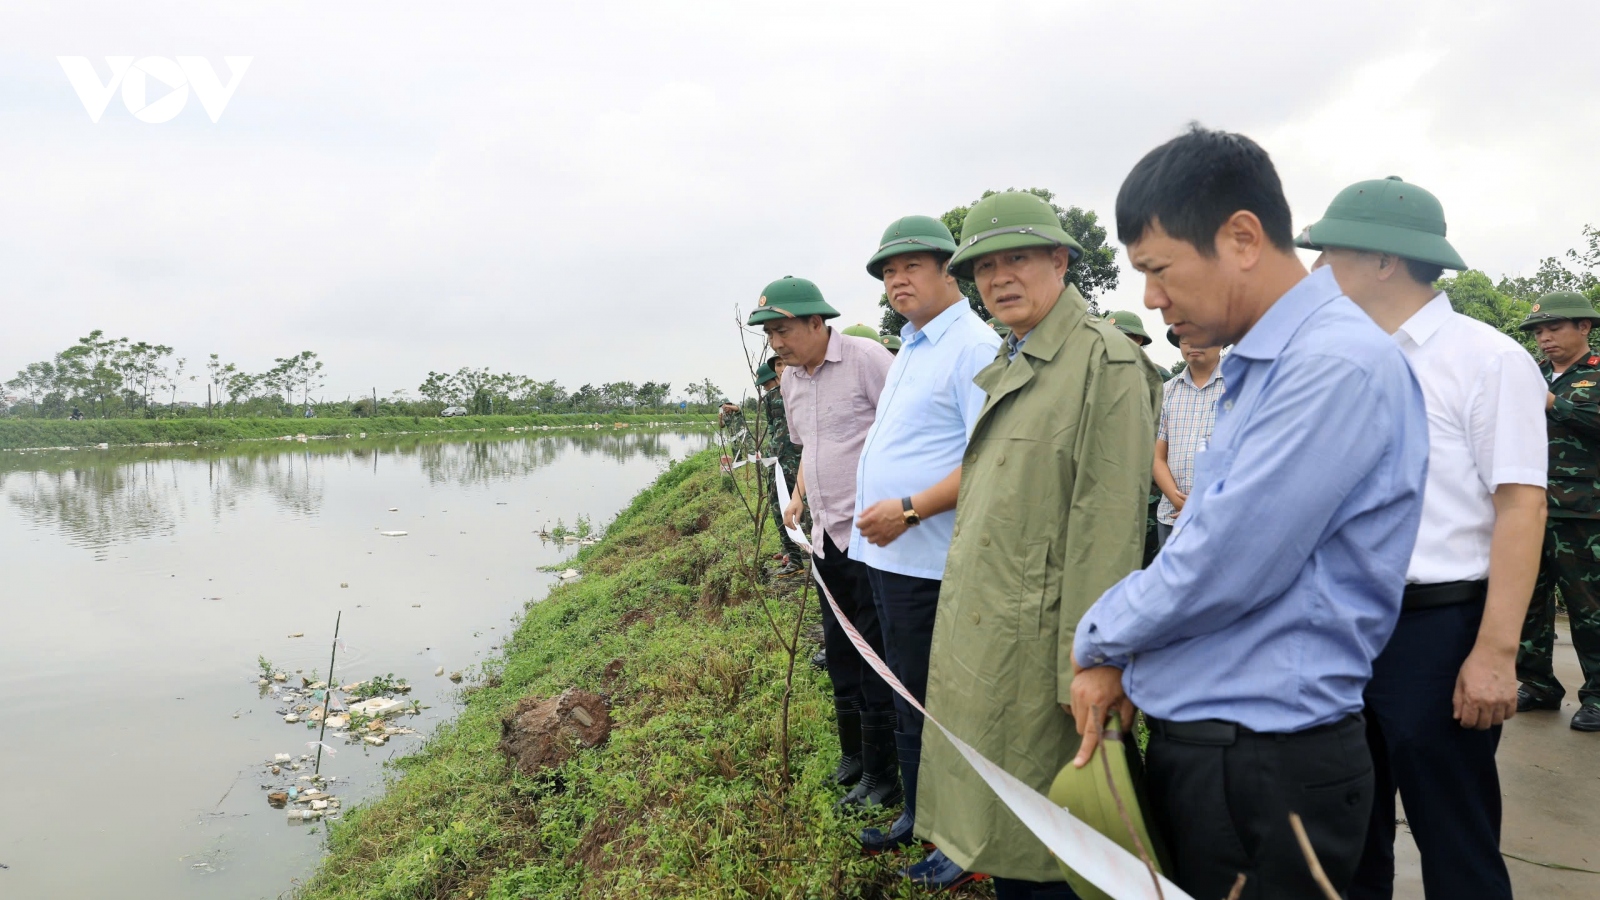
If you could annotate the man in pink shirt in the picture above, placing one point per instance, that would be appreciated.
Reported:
(830, 385)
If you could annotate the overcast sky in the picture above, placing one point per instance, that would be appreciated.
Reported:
(586, 191)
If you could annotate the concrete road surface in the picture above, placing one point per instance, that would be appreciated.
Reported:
(1550, 776)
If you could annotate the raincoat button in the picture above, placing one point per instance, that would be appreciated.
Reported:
(976, 618)
(983, 540)
(1001, 460)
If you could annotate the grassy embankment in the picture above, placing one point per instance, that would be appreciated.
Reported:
(685, 798)
(16, 434)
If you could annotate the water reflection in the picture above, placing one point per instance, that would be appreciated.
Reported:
(102, 498)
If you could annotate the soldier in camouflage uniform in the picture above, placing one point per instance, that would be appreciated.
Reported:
(777, 445)
(1561, 323)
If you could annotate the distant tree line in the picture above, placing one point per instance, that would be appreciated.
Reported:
(115, 378)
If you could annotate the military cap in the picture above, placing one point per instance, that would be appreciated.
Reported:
(1385, 215)
(891, 341)
(1559, 305)
(911, 234)
(1128, 323)
(1006, 221)
(765, 374)
(790, 298)
(1085, 793)
(862, 331)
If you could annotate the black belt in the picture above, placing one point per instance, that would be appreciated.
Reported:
(1445, 593)
(1218, 733)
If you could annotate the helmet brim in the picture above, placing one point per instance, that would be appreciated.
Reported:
(1407, 243)
(961, 263)
(919, 244)
(796, 311)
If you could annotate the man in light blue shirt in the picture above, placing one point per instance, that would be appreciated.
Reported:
(1250, 639)
(910, 470)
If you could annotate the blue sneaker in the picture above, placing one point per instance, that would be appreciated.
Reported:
(940, 873)
(875, 841)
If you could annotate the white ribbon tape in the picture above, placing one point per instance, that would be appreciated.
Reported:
(1089, 853)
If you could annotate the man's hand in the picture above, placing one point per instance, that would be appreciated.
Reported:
(1549, 401)
(883, 522)
(1096, 693)
(1486, 688)
(791, 513)
(1179, 501)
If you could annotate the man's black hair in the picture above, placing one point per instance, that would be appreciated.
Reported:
(1193, 183)
(1423, 273)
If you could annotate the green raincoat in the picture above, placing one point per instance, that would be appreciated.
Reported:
(1051, 513)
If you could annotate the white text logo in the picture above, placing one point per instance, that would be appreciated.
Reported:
(134, 77)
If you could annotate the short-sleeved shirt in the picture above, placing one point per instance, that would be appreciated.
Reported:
(1486, 427)
(925, 415)
(1188, 413)
(829, 413)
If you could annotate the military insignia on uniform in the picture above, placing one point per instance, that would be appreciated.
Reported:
(763, 301)
(1594, 360)
(1535, 308)
(1584, 384)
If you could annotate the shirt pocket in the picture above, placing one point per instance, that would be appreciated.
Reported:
(1211, 469)
(1030, 605)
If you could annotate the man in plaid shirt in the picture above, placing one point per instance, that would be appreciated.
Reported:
(1188, 410)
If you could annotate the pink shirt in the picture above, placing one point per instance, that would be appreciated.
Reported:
(829, 413)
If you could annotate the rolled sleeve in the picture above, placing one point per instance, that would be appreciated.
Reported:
(1508, 439)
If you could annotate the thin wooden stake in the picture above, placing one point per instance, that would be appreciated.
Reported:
(1105, 764)
(1317, 875)
(327, 692)
(1238, 887)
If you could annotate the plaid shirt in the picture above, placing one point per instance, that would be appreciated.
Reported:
(1187, 414)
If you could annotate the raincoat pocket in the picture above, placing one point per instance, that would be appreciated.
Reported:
(1030, 605)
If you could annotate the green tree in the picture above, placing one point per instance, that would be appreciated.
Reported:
(1094, 273)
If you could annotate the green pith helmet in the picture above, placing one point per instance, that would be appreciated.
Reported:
(1386, 215)
(1005, 221)
(890, 341)
(912, 234)
(765, 374)
(1560, 305)
(1128, 323)
(790, 298)
(863, 331)
(1085, 793)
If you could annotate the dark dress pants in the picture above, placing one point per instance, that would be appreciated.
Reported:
(1012, 889)
(852, 677)
(1223, 805)
(906, 606)
(1446, 774)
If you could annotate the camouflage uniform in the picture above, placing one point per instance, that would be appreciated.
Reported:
(778, 445)
(1571, 560)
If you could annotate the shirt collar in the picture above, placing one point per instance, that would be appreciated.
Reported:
(1187, 375)
(1280, 322)
(835, 346)
(936, 329)
(1426, 322)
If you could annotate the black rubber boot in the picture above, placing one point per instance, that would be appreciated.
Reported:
(880, 778)
(847, 712)
(819, 661)
(908, 748)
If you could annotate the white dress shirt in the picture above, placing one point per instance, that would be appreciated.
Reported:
(1485, 400)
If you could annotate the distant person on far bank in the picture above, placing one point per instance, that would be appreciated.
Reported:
(1188, 413)
(831, 383)
(910, 468)
(1562, 323)
(1447, 678)
(1249, 640)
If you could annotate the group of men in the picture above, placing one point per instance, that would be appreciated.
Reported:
(1352, 505)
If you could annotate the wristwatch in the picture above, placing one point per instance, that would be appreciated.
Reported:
(911, 514)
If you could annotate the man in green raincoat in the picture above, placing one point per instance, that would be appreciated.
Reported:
(1050, 514)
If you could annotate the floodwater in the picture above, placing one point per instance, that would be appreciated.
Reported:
(139, 586)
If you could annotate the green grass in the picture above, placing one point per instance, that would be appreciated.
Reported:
(16, 434)
(685, 800)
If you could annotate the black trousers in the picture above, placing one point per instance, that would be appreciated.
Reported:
(852, 677)
(1446, 774)
(1223, 805)
(906, 605)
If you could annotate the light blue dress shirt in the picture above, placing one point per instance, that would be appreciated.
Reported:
(927, 410)
(1282, 579)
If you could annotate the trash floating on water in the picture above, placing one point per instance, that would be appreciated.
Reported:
(569, 574)
(456, 677)
(377, 707)
(439, 671)
(393, 533)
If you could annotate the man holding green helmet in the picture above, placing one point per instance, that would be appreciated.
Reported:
(1563, 322)
(1446, 679)
(831, 383)
(1050, 514)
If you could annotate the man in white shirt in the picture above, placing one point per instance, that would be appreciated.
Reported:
(1446, 679)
